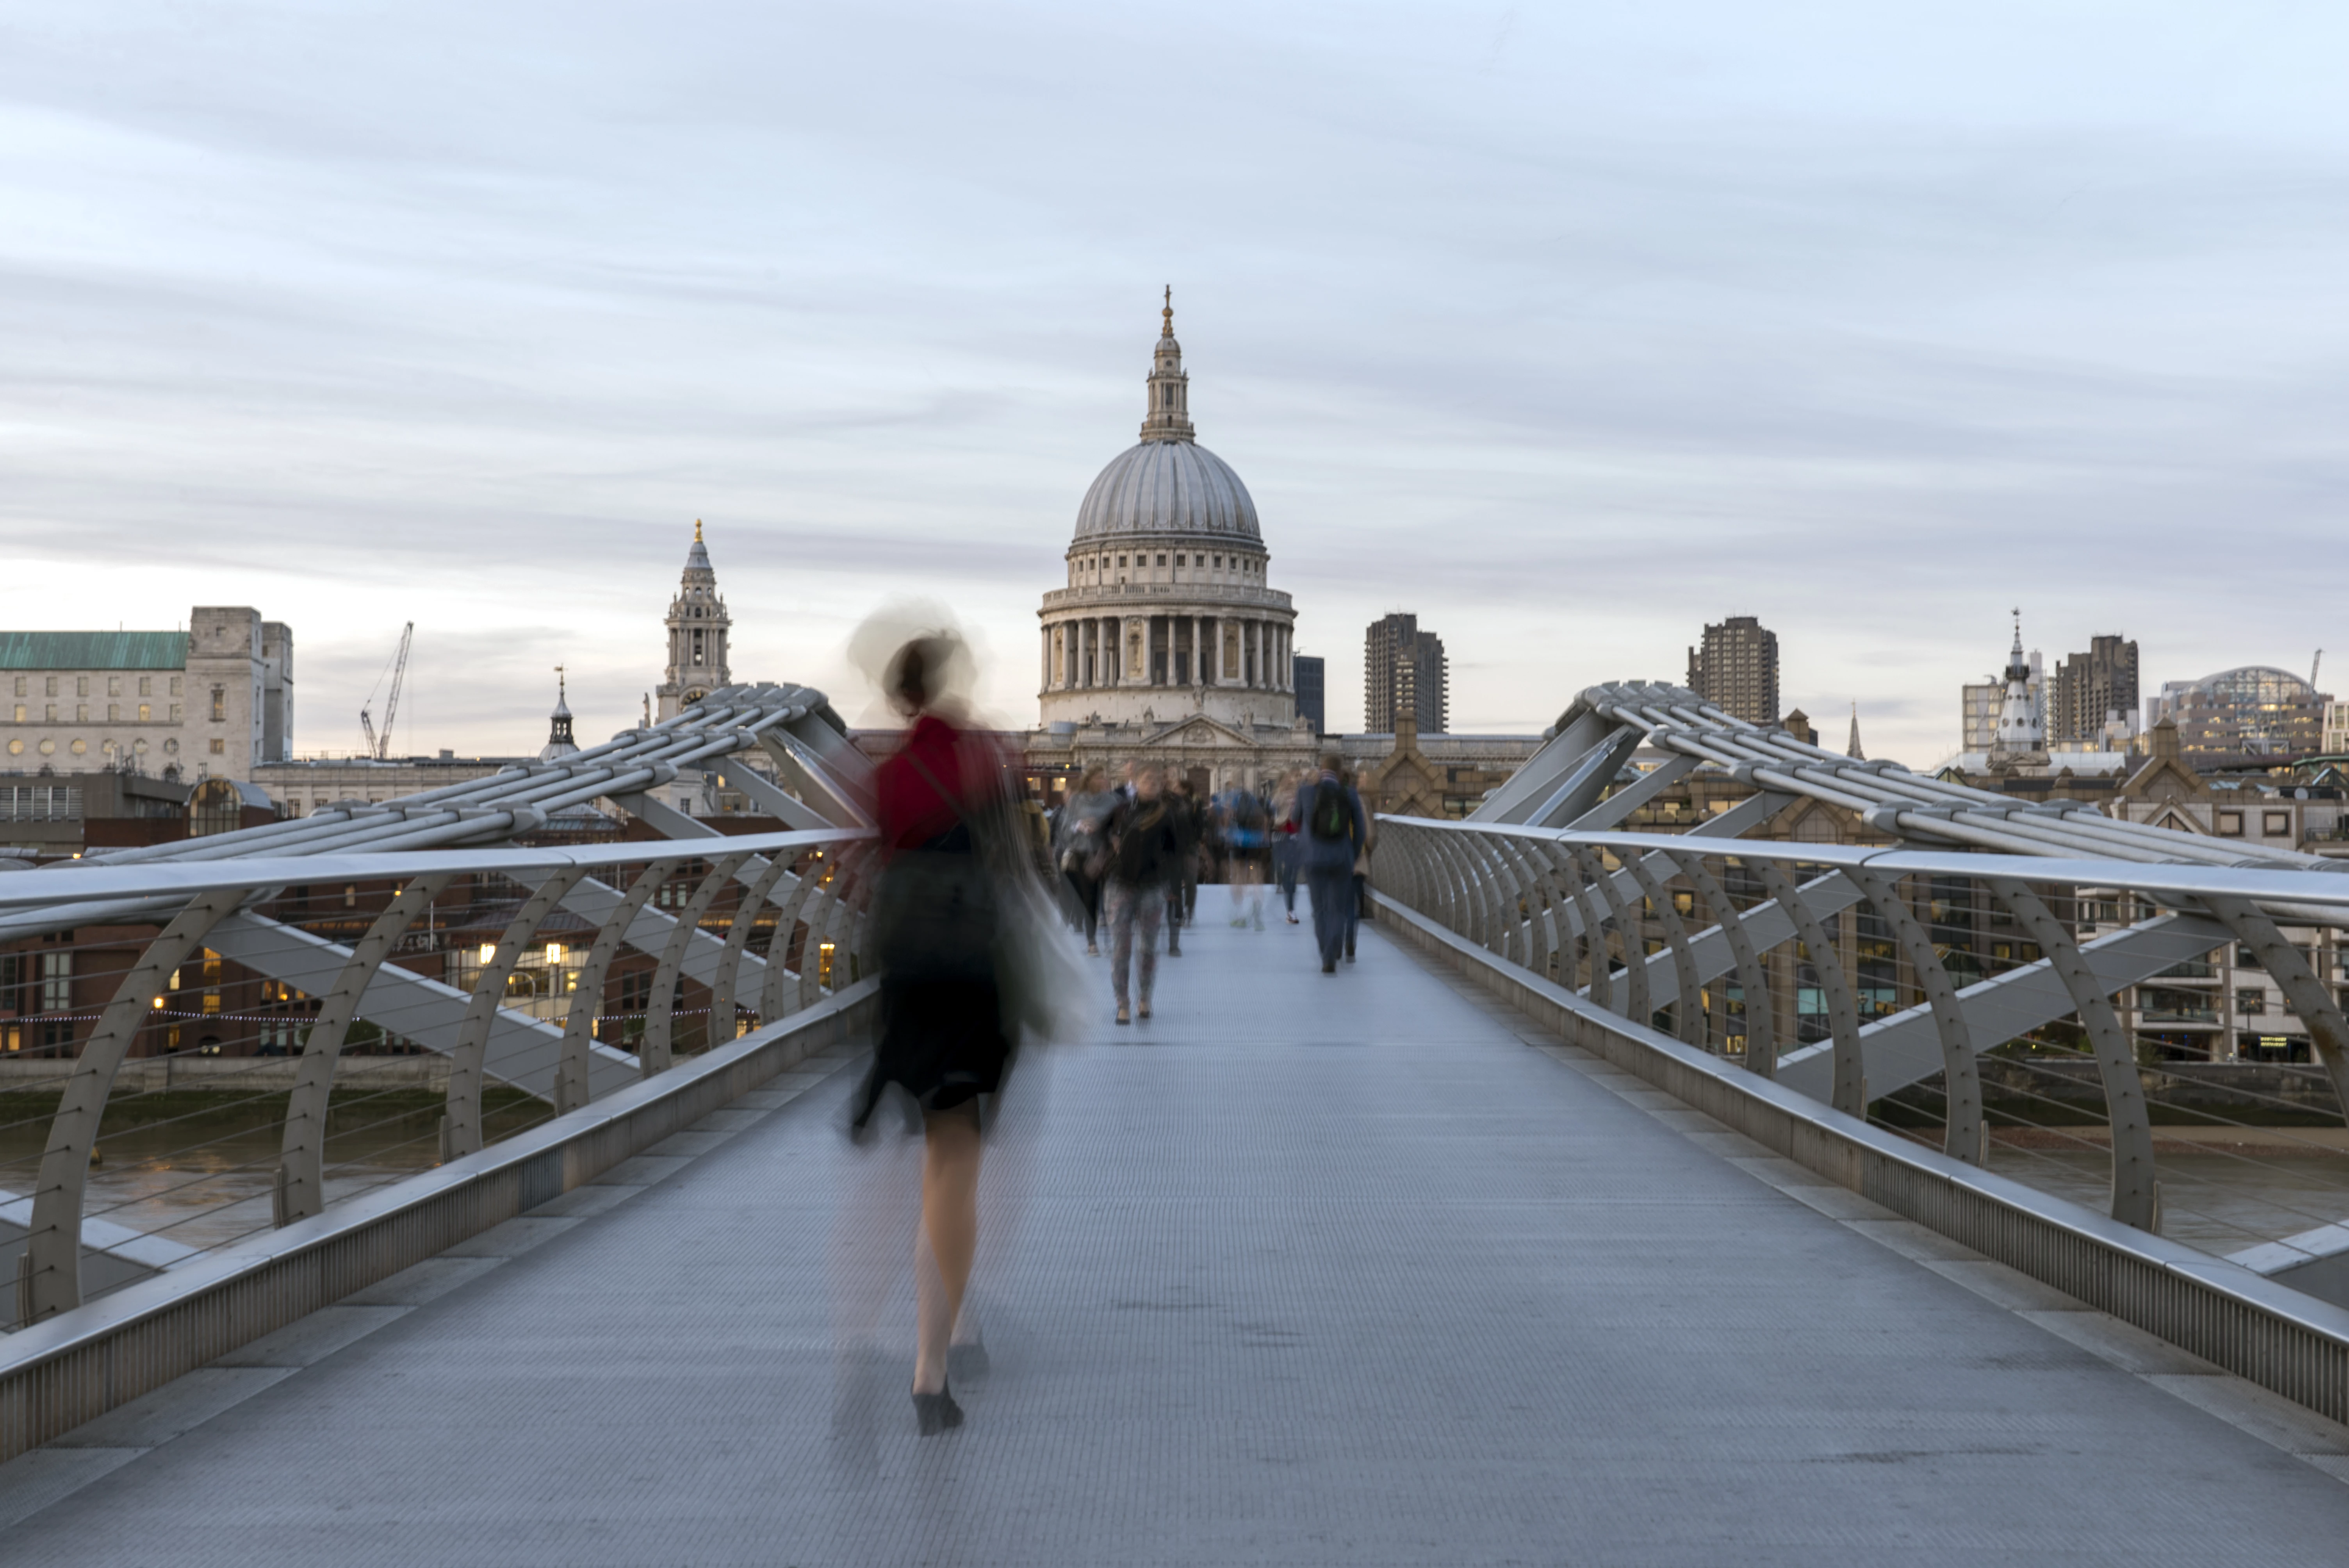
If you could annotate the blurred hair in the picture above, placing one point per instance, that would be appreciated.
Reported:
(1332, 763)
(916, 654)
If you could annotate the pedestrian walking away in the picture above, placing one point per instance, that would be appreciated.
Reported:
(1358, 907)
(1145, 848)
(1182, 885)
(1334, 834)
(942, 1041)
(1247, 839)
(1083, 847)
(1287, 853)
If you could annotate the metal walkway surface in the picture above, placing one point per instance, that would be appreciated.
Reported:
(1306, 1271)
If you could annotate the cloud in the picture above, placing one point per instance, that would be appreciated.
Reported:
(1568, 330)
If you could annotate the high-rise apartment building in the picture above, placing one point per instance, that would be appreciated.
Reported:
(2090, 690)
(1735, 668)
(1404, 670)
(1307, 674)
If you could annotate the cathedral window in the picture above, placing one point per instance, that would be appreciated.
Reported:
(220, 705)
(146, 685)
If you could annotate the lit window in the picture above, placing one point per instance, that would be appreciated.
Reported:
(219, 746)
(146, 712)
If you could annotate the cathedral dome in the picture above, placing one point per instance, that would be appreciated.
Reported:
(1164, 487)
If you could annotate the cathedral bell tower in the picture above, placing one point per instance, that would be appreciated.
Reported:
(698, 628)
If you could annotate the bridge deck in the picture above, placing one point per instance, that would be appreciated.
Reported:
(1306, 1271)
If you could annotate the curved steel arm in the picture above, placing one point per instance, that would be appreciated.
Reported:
(571, 1091)
(653, 1053)
(1537, 942)
(1504, 899)
(461, 1133)
(1688, 1004)
(1761, 1038)
(2137, 1192)
(2327, 1031)
(1586, 872)
(301, 1164)
(1960, 1077)
(829, 888)
(779, 994)
(1850, 1094)
(1626, 930)
(53, 1241)
(737, 942)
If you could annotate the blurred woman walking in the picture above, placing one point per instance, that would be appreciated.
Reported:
(935, 915)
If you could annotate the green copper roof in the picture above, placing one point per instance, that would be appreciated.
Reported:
(93, 650)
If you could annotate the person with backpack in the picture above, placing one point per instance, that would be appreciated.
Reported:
(1248, 833)
(1144, 856)
(1335, 832)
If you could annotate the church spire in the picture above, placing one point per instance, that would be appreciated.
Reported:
(1852, 750)
(559, 741)
(1168, 418)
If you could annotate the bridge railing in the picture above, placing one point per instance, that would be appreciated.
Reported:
(2000, 1001)
(201, 1049)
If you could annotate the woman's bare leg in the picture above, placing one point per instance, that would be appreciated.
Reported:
(950, 1224)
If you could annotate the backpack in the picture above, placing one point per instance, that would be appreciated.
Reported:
(1330, 822)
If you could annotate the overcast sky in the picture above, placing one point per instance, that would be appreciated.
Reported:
(1567, 326)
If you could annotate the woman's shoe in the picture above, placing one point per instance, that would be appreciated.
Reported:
(1093, 950)
(1122, 1015)
(1145, 1010)
(937, 1412)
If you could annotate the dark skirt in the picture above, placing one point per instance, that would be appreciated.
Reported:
(941, 1041)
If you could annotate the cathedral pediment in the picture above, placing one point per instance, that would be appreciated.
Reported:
(1198, 730)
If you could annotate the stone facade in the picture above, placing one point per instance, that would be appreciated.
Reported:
(215, 701)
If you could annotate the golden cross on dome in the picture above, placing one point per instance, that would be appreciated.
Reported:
(1168, 330)
(697, 531)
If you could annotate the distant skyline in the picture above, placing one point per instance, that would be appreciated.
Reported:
(1568, 329)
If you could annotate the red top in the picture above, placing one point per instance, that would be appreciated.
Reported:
(911, 809)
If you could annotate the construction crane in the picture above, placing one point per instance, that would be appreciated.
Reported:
(399, 670)
(2315, 665)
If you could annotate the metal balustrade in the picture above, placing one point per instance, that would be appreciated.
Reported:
(1643, 926)
(344, 917)
(807, 889)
